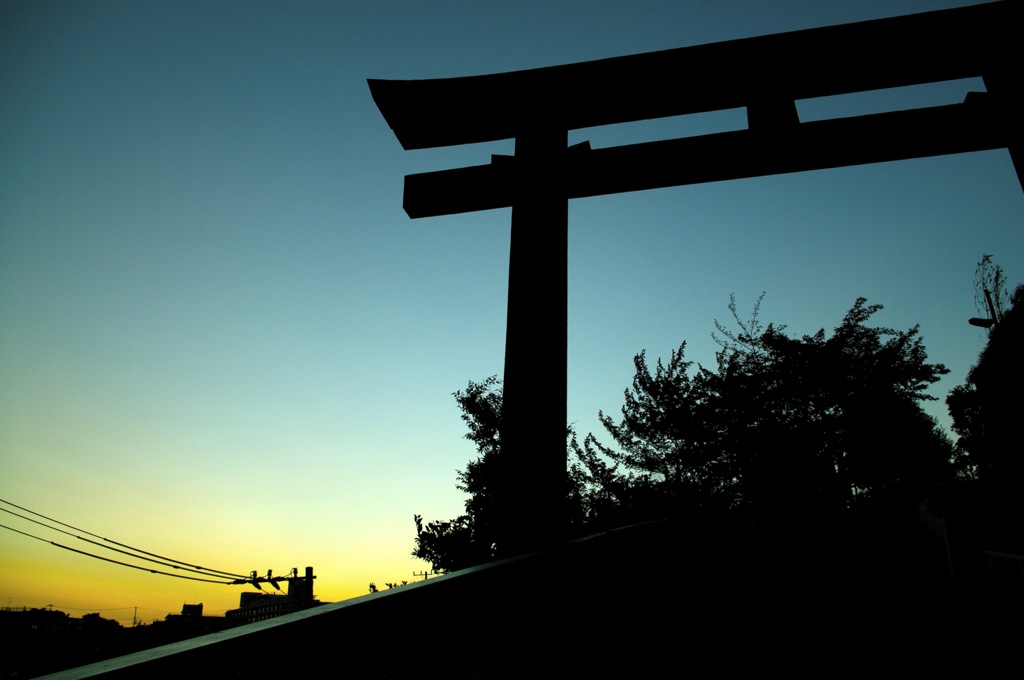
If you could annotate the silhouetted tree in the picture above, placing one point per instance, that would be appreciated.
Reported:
(991, 296)
(784, 428)
(450, 544)
(986, 407)
(986, 513)
(661, 444)
(469, 539)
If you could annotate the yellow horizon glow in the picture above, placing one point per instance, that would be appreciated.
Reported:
(39, 575)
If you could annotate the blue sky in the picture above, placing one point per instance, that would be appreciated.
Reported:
(222, 339)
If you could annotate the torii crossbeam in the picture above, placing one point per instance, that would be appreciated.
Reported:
(766, 75)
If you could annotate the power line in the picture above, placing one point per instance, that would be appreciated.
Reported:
(191, 567)
(137, 553)
(107, 559)
(105, 547)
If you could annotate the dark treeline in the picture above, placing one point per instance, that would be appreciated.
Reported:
(785, 438)
(36, 642)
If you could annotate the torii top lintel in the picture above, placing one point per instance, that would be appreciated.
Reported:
(907, 50)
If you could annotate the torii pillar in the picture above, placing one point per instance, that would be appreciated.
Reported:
(766, 75)
(531, 507)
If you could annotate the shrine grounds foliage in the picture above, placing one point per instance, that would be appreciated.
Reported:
(784, 440)
(784, 430)
(986, 412)
(469, 539)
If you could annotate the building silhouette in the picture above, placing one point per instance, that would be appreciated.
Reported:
(253, 607)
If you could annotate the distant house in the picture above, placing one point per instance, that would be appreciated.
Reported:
(191, 619)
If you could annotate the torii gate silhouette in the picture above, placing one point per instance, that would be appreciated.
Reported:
(766, 75)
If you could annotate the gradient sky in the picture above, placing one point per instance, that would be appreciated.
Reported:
(222, 340)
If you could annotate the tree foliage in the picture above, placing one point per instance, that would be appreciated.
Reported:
(470, 539)
(782, 429)
(991, 296)
(985, 407)
(988, 511)
(782, 426)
